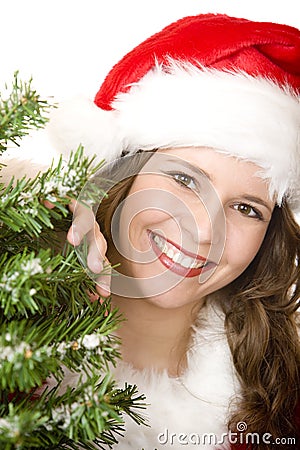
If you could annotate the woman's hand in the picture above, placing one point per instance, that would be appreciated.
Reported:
(84, 224)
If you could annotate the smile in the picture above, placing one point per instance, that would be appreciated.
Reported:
(178, 260)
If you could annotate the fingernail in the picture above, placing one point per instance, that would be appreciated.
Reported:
(104, 286)
(97, 266)
(106, 289)
(75, 238)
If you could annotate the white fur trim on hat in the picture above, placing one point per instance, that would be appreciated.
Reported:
(244, 116)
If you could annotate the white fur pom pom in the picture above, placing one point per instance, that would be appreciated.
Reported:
(80, 121)
(35, 154)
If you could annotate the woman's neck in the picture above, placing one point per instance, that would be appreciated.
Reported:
(154, 337)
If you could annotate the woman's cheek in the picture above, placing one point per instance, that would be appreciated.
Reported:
(242, 244)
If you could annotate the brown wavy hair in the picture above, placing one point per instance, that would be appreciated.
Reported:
(260, 321)
(262, 326)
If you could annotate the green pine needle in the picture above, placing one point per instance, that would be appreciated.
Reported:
(50, 332)
(21, 111)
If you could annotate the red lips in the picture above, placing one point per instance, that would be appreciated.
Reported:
(175, 267)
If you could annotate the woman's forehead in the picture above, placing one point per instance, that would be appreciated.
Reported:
(208, 162)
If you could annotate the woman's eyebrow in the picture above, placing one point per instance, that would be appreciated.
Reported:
(260, 201)
(192, 168)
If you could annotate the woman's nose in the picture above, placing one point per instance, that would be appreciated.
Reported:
(206, 224)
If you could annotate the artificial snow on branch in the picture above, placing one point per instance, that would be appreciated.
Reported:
(57, 348)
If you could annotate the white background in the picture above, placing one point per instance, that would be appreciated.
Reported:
(68, 46)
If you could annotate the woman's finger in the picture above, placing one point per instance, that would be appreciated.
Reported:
(93, 296)
(83, 222)
(48, 204)
(104, 280)
(72, 205)
(97, 261)
(97, 249)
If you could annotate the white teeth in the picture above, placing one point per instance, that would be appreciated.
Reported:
(170, 253)
(156, 239)
(186, 262)
(165, 248)
(175, 255)
(160, 244)
(200, 265)
(176, 258)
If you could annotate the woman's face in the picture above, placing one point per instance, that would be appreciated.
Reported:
(191, 224)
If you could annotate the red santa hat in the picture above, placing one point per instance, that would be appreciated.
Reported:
(208, 80)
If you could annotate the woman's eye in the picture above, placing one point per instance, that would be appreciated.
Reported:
(248, 210)
(185, 180)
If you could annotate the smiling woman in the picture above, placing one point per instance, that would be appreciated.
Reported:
(203, 118)
(177, 223)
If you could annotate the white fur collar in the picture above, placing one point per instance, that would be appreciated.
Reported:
(182, 411)
(196, 404)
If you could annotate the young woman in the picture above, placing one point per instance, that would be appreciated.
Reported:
(201, 220)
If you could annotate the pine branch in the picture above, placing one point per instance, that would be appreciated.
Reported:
(38, 282)
(73, 420)
(62, 324)
(57, 349)
(22, 111)
(22, 207)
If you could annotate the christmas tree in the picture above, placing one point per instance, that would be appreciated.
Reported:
(48, 325)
